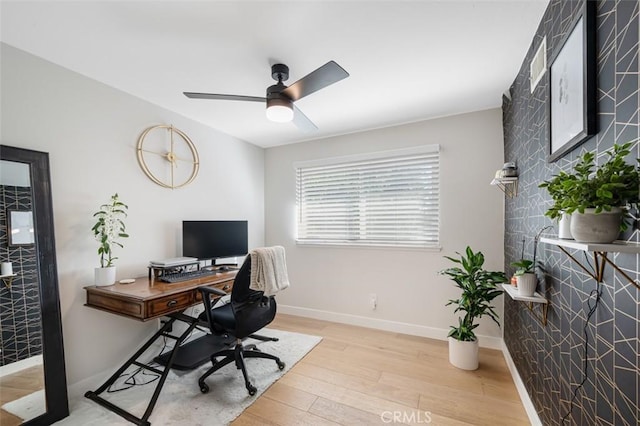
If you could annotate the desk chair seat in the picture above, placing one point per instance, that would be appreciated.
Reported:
(248, 312)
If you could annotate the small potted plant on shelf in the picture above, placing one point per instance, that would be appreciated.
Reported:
(598, 199)
(478, 288)
(527, 281)
(107, 231)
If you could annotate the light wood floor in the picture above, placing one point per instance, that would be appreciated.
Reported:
(362, 376)
(17, 385)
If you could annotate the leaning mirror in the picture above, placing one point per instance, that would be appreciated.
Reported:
(32, 373)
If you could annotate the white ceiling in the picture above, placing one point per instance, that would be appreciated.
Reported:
(408, 60)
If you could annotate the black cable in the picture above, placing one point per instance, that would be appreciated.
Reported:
(586, 259)
(585, 369)
(130, 381)
(536, 240)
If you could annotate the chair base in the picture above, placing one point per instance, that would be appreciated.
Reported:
(263, 338)
(237, 355)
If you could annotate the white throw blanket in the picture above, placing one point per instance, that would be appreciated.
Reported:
(268, 270)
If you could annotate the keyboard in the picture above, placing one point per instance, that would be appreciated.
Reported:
(185, 276)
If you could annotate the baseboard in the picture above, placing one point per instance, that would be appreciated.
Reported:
(386, 325)
(522, 390)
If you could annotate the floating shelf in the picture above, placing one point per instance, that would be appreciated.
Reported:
(536, 298)
(8, 279)
(508, 185)
(600, 252)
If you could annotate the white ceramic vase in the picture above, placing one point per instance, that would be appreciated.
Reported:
(463, 355)
(564, 227)
(105, 276)
(589, 227)
(527, 284)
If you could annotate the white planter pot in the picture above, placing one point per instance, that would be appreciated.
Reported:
(527, 284)
(603, 227)
(463, 355)
(564, 227)
(105, 276)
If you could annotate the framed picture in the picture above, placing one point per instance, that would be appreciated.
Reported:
(572, 86)
(20, 226)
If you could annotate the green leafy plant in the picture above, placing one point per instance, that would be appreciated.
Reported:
(109, 228)
(479, 288)
(524, 266)
(615, 183)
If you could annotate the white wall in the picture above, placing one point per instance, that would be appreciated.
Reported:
(335, 283)
(90, 131)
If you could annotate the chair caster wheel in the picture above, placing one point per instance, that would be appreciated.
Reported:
(252, 390)
(204, 388)
(281, 365)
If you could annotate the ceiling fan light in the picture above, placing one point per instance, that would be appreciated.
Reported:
(279, 110)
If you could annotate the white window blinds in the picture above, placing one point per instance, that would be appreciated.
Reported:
(381, 199)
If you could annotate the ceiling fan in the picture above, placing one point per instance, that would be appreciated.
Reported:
(280, 98)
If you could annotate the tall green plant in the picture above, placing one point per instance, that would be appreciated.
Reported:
(615, 183)
(479, 288)
(109, 228)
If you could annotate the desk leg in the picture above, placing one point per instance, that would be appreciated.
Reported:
(143, 421)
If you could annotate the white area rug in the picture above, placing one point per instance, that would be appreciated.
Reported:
(181, 402)
(27, 407)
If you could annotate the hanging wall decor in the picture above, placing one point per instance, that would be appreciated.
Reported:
(572, 86)
(167, 156)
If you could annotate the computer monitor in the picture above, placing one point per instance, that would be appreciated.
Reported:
(214, 239)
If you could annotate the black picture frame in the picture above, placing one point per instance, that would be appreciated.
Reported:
(20, 228)
(572, 86)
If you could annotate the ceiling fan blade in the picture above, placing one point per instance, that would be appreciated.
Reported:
(322, 77)
(302, 122)
(194, 95)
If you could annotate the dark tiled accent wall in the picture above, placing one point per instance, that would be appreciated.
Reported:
(550, 359)
(20, 330)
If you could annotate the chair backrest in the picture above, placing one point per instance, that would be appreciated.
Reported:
(241, 291)
(251, 309)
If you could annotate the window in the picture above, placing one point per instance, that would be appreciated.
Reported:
(383, 199)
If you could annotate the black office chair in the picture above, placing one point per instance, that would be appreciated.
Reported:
(248, 312)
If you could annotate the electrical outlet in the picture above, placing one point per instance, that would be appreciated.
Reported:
(373, 300)
(197, 310)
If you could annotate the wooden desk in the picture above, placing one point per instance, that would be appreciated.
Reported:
(144, 300)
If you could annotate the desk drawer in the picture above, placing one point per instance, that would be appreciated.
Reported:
(226, 286)
(174, 303)
(118, 306)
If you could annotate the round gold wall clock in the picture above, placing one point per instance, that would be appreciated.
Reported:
(167, 156)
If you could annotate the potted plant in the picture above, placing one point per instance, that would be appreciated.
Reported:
(599, 200)
(527, 281)
(107, 230)
(478, 288)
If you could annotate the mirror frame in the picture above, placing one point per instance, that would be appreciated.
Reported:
(55, 381)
